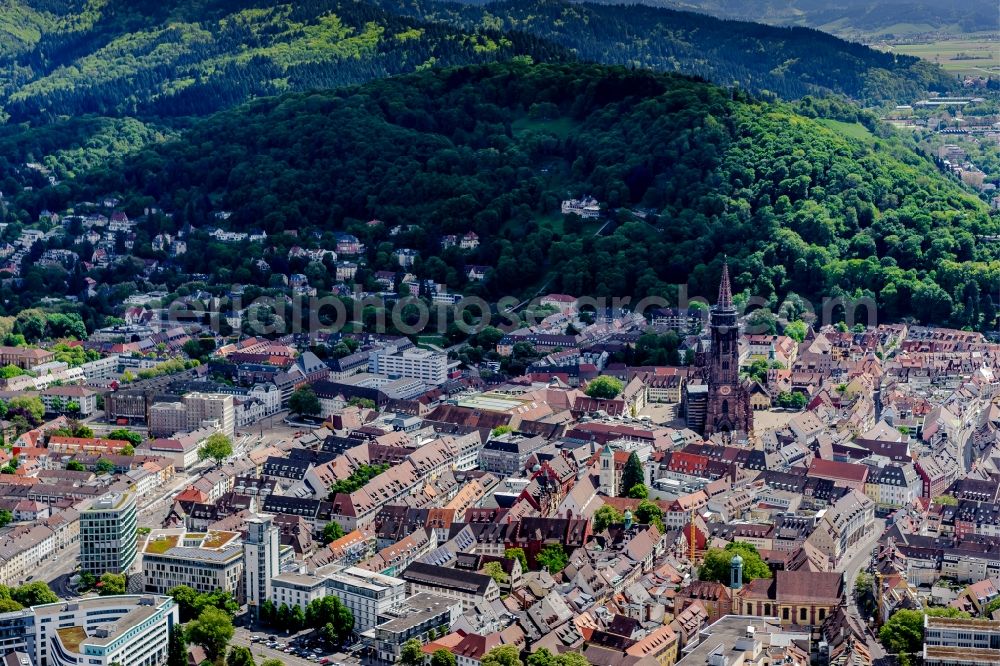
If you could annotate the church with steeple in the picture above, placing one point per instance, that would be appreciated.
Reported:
(727, 410)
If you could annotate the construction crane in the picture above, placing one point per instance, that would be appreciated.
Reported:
(878, 597)
(694, 541)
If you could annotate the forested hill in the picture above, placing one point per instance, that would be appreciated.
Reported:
(145, 58)
(788, 62)
(815, 206)
(192, 57)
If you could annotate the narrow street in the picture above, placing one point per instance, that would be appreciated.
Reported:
(859, 561)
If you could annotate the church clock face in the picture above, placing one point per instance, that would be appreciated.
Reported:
(725, 390)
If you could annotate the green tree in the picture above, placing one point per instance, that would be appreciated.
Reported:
(104, 466)
(553, 557)
(500, 430)
(5, 517)
(212, 630)
(762, 322)
(186, 599)
(903, 632)
(217, 447)
(632, 475)
(604, 387)
(503, 655)
(411, 654)
(757, 370)
(864, 593)
(87, 581)
(363, 403)
(946, 500)
(33, 405)
(126, 435)
(332, 532)
(220, 599)
(517, 554)
(239, 656)
(991, 606)
(33, 594)
(304, 401)
(543, 657)
(605, 516)
(796, 330)
(639, 491)
(272, 662)
(268, 613)
(9, 606)
(496, 572)
(648, 513)
(177, 651)
(442, 658)
(111, 584)
(717, 563)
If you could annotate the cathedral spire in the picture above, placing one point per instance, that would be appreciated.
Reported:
(725, 301)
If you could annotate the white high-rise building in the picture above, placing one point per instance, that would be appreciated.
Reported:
(260, 555)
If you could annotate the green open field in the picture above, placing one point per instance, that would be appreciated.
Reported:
(853, 130)
(977, 54)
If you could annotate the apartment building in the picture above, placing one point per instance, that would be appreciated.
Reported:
(195, 410)
(102, 370)
(843, 525)
(422, 364)
(57, 399)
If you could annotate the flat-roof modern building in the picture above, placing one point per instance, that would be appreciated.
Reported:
(414, 618)
(367, 593)
(108, 533)
(96, 631)
(204, 562)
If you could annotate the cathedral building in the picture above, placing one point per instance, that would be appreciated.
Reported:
(727, 410)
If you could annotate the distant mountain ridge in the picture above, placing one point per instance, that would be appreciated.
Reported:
(850, 18)
(144, 58)
(787, 62)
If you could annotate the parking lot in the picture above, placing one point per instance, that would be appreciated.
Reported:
(304, 650)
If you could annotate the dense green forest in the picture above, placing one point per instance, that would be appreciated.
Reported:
(787, 62)
(193, 57)
(146, 58)
(687, 170)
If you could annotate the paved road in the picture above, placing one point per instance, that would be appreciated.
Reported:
(860, 560)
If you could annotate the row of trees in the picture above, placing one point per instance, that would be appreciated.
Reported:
(329, 615)
(359, 477)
